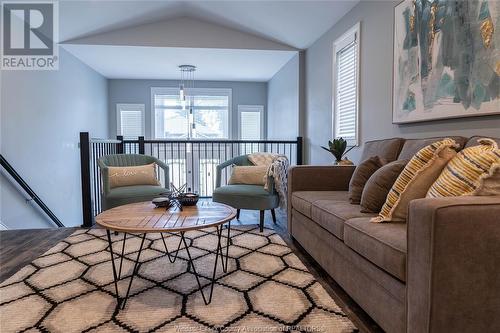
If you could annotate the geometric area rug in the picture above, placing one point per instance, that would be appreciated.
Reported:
(266, 288)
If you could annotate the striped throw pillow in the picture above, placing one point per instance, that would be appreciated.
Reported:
(467, 171)
(416, 179)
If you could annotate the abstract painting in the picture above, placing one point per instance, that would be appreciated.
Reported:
(446, 59)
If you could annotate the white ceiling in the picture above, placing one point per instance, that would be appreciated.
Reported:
(295, 23)
(132, 62)
(226, 40)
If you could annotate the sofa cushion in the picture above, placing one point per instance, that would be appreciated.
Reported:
(412, 146)
(384, 244)
(302, 200)
(332, 214)
(473, 141)
(387, 149)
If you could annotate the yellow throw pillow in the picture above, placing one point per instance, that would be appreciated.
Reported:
(249, 175)
(468, 172)
(416, 179)
(133, 175)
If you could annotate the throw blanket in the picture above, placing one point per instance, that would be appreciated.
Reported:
(277, 169)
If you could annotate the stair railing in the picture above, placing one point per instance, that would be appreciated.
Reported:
(33, 196)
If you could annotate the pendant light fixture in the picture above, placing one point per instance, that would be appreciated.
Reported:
(185, 96)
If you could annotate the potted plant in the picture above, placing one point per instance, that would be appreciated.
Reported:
(338, 148)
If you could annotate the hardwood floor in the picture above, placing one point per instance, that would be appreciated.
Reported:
(19, 247)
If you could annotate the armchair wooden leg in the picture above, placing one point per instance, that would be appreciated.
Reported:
(262, 220)
(238, 214)
(273, 214)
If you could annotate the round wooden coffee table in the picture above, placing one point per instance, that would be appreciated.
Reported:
(143, 218)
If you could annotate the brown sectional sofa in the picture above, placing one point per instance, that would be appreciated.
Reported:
(439, 272)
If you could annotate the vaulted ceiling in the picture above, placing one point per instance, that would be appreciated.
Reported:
(148, 39)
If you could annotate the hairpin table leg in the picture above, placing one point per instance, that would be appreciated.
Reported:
(207, 299)
(117, 275)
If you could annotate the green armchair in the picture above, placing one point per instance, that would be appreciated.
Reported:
(128, 194)
(253, 197)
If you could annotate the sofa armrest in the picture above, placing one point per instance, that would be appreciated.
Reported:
(319, 178)
(453, 265)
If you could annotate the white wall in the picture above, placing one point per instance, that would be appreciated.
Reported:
(42, 113)
(375, 88)
(283, 102)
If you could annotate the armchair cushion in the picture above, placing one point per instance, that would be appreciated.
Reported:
(127, 194)
(246, 197)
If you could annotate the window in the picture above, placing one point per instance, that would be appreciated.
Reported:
(211, 111)
(251, 120)
(130, 120)
(251, 126)
(346, 86)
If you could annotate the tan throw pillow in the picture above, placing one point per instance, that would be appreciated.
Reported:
(416, 179)
(467, 172)
(249, 175)
(133, 175)
(361, 175)
(379, 185)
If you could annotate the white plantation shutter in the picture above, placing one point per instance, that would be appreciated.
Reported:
(346, 87)
(250, 122)
(130, 120)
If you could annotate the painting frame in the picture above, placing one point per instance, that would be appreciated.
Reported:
(447, 111)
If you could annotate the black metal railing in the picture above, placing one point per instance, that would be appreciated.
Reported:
(29, 191)
(191, 162)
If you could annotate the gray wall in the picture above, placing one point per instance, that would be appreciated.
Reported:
(283, 102)
(375, 87)
(42, 113)
(139, 92)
